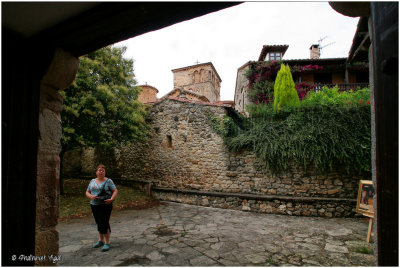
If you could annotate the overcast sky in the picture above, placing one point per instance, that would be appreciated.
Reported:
(231, 37)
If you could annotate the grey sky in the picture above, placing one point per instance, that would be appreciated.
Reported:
(231, 37)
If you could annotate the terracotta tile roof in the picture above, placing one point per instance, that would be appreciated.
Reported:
(204, 98)
(149, 87)
(321, 59)
(186, 100)
(272, 48)
(229, 102)
(316, 61)
(200, 102)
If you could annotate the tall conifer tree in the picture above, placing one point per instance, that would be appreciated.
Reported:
(285, 94)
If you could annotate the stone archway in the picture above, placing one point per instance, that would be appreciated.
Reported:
(60, 74)
(107, 24)
(27, 52)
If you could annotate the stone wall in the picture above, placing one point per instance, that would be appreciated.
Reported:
(185, 161)
(180, 150)
(241, 90)
(81, 163)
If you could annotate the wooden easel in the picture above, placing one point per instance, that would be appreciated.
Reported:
(370, 233)
(366, 210)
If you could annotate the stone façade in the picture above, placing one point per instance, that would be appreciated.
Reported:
(186, 161)
(201, 79)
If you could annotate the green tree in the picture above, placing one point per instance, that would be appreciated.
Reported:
(101, 106)
(285, 94)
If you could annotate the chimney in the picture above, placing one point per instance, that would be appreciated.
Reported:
(314, 52)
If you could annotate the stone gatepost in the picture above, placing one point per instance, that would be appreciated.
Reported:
(60, 74)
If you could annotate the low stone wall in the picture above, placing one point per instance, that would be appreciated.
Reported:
(185, 161)
(82, 162)
(322, 207)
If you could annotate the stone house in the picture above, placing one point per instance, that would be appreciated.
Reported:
(315, 72)
(186, 161)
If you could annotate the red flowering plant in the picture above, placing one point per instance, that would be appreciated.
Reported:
(303, 88)
(261, 76)
(305, 68)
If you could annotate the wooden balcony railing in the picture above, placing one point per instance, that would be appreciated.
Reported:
(342, 87)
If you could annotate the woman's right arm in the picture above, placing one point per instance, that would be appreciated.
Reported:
(90, 196)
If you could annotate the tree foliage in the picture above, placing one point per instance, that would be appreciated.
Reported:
(285, 94)
(101, 107)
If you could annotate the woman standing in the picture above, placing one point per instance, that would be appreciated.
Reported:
(101, 209)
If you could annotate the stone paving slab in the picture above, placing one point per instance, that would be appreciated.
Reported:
(175, 234)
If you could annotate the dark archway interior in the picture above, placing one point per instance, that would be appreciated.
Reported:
(26, 58)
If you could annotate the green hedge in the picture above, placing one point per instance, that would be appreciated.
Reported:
(326, 135)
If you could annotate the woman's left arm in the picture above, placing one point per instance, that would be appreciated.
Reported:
(114, 194)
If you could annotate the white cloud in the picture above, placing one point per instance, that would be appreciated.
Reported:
(231, 37)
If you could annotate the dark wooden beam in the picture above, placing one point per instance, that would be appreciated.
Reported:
(351, 9)
(112, 22)
(23, 66)
(385, 20)
(362, 48)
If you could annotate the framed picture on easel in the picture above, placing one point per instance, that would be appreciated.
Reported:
(365, 204)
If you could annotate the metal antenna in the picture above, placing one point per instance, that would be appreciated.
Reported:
(321, 47)
(322, 39)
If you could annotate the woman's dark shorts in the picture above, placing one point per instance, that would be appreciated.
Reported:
(101, 214)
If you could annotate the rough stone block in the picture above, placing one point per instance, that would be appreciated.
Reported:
(47, 191)
(50, 98)
(62, 70)
(333, 191)
(50, 131)
(46, 243)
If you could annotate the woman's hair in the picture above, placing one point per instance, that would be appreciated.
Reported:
(101, 166)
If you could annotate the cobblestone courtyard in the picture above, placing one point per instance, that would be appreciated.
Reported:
(176, 234)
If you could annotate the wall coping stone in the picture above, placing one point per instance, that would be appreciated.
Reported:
(254, 196)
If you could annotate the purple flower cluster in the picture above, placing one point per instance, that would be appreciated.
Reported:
(263, 71)
(310, 67)
(303, 88)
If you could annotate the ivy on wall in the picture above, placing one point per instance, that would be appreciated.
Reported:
(328, 130)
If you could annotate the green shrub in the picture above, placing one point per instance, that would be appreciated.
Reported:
(285, 94)
(332, 96)
(326, 131)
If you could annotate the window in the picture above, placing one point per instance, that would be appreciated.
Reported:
(169, 141)
(274, 56)
(323, 78)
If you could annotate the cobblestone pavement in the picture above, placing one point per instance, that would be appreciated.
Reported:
(176, 234)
